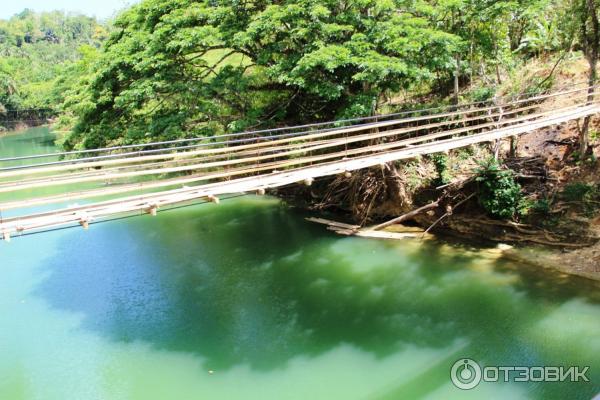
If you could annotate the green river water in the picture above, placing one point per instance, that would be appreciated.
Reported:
(247, 300)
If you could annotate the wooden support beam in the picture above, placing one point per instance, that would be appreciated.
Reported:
(213, 199)
(152, 210)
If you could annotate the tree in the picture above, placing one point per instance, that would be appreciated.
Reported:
(184, 67)
(589, 37)
(35, 49)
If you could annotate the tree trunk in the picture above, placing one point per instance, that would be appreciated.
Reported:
(456, 79)
(514, 141)
(497, 62)
(584, 138)
(471, 62)
(590, 30)
(584, 132)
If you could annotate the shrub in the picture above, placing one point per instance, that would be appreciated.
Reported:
(465, 153)
(482, 93)
(440, 161)
(587, 195)
(529, 206)
(542, 206)
(498, 191)
(577, 191)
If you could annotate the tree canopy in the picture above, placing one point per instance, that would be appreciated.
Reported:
(201, 67)
(173, 68)
(35, 49)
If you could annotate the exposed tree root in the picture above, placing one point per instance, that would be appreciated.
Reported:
(389, 190)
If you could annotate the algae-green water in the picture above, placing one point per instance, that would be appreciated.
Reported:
(248, 300)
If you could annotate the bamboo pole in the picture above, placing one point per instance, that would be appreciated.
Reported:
(331, 132)
(98, 211)
(210, 176)
(67, 179)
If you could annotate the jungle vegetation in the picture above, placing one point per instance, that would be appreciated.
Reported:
(37, 55)
(166, 69)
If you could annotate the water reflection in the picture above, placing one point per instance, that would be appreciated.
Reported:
(248, 285)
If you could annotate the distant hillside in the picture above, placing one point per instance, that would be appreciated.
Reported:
(37, 48)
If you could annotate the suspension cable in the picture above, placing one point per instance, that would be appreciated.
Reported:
(273, 130)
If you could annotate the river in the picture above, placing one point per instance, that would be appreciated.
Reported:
(247, 300)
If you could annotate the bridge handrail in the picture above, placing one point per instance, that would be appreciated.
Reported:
(295, 170)
(535, 97)
(110, 160)
(19, 185)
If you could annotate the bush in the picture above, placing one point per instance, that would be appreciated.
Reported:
(482, 93)
(542, 206)
(440, 160)
(587, 195)
(528, 207)
(578, 191)
(464, 153)
(498, 191)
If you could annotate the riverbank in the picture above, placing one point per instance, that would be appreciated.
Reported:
(14, 127)
(558, 207)
(583, 262)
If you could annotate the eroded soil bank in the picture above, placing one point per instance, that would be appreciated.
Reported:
(557, 223)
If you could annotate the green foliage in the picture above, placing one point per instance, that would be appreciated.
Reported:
(38, 48)
(579, 191)
(411, 170)
(542, 206)
(464, 153)
(280, 62)
(530, 85)
(527, 207)
(588, 195)
(543, 37)
(188, 68)
(482, 93)
(498, 192)
(440, 160)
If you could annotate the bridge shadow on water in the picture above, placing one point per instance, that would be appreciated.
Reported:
(249, 282)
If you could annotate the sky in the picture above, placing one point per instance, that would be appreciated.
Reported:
(99, 8)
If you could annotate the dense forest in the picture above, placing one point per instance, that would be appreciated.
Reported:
(177, 68)
(38, 57)
(165, 69)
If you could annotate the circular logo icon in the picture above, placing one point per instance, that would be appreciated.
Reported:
(465, 374)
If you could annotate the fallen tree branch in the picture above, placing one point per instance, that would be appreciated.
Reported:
(448, 213)
(457, 184)
(407, 216)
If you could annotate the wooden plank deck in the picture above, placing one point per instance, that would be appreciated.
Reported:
(249, 174)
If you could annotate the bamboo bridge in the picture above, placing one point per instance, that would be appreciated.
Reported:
(143, 178)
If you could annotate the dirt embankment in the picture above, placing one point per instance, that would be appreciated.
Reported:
(546, 166)
(12, 126)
